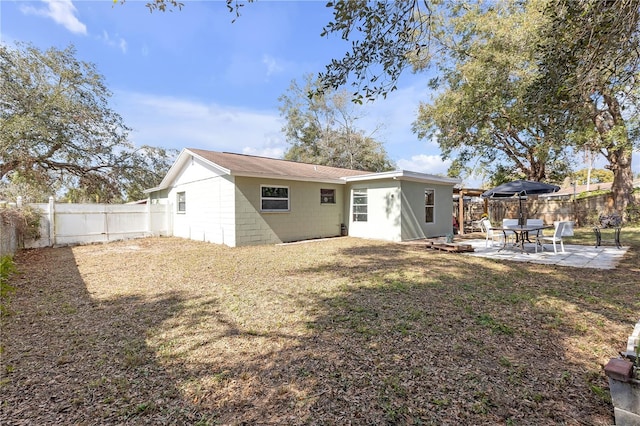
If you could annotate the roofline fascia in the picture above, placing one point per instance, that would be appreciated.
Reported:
(150, 190)
(340, 181)
(215, 165)
(164, 184)
(406, 176)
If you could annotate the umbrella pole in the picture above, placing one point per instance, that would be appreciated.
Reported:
(520, 218)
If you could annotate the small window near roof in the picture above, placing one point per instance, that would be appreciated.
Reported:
(182, 202)
(327, 196)
(274, 198)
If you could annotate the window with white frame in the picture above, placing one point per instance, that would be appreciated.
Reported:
(429, 205)
(182, 202)
(274, 198)
(327, 196)
(360, 207)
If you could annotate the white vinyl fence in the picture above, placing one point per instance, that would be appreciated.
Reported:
(66, 224)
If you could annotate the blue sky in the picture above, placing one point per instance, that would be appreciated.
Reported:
(192, 78)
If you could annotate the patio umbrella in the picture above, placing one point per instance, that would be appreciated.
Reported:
(519, 188)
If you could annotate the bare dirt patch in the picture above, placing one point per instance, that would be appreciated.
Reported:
(341, 331)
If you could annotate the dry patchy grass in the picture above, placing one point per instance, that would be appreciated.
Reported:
(341, 331)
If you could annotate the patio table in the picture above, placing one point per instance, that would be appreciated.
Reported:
(522, 234)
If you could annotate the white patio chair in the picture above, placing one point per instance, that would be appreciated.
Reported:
(534, 223)
(567, 231)
(490, 233)
(510, 223)
(555, 238)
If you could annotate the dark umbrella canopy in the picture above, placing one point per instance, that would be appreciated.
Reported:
(520, 188)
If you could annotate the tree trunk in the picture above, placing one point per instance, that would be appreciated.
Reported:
(622, 187)
(609, 123)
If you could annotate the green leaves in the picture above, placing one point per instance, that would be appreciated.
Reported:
(58, 133)
(383, 35)
(479, 112)
(320, 126)
(589, 63)
(7, 268)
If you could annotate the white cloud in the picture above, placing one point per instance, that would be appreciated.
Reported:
(172, 122)
(62, 12)
(118, 42)
(422, 163)
(272, 65)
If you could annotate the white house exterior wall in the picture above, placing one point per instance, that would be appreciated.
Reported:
(307, 217)
(383, 212)
(209, 214)
(413, 210)
(396, 210)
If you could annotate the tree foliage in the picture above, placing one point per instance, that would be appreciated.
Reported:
(320, 126)
(383, 40)
(589, 60)
(58, 134)
(234, 6)
(593, 176)
(480, 110)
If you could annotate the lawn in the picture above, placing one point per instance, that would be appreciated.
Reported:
(339, 331)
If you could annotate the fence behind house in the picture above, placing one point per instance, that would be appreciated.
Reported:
(68, 224)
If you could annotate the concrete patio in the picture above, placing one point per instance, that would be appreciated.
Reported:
(579, 256)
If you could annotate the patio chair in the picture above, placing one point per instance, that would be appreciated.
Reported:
(510, 223)
(567, 231)
(555, 238)
(535, 222)
(490, 233)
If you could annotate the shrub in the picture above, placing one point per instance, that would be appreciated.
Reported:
(7, 268)
(26, 220)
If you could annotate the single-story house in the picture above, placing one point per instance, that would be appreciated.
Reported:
(238, 200)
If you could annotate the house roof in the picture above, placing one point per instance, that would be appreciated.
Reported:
(249, 165)
(254, 166)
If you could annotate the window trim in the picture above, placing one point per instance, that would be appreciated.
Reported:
(288, 199)
(354, 215)
(182, 203)
(332, 198)
(431, 206)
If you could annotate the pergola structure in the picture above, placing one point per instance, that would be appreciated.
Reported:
(471, 192)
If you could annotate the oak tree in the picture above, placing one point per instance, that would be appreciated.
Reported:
(321, 128)
(57, 130)
(589, 61)
(480, 113)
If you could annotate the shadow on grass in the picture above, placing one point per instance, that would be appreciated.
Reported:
(71, 359)
(370, 334)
